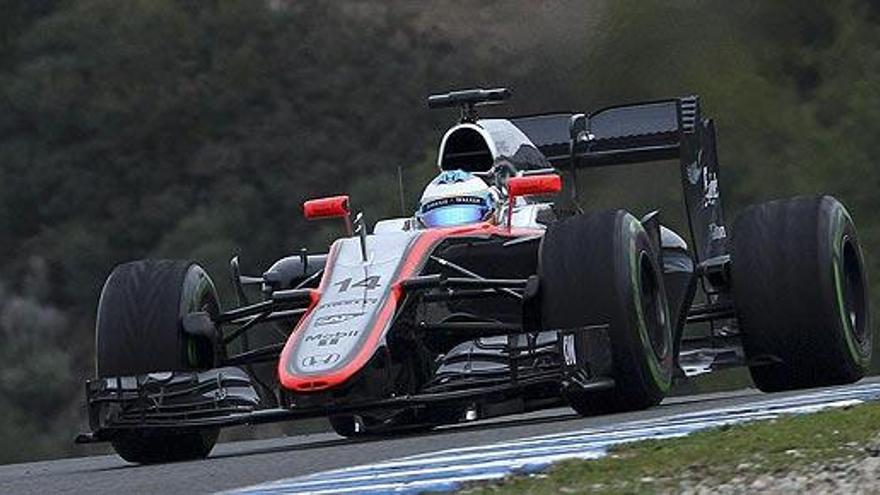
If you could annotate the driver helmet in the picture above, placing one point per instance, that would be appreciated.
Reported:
(456, 197)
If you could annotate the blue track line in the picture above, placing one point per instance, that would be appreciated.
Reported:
(447, 470)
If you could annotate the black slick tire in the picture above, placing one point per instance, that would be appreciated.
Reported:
(600, 268)
(801, 294)
(139, 331)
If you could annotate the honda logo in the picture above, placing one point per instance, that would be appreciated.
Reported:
(320, 360)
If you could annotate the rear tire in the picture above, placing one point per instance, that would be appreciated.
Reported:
(601, 268)
(139, 331)
(801, 294)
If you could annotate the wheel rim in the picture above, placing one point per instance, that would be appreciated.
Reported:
(200, 351)
(653, 307)
(854, 295)
(198, 294)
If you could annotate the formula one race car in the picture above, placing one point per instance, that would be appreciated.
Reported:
(490, 299)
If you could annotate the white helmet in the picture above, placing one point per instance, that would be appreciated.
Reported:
(456, 197)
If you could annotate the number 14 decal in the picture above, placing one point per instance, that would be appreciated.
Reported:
(368, 283)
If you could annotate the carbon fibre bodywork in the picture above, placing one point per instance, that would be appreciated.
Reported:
(435, 324)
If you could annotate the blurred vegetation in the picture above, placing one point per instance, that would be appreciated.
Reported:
(194, 129)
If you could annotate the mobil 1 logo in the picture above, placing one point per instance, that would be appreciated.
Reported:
(323, 339)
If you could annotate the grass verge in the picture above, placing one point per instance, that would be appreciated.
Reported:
(741, 452)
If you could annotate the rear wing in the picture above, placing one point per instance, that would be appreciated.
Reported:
(670, 129)
(638, 132)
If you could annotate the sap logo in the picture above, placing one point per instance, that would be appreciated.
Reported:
(335, 319)
(330, 338)
(319, 360)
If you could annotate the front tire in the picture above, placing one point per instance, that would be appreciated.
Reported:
(601, 268)
(801, 294)
(139, 331)
(351, 426)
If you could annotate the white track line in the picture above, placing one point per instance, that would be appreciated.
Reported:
(448, 469)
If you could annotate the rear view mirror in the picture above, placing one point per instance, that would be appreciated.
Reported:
(331, 207)
(531, 185)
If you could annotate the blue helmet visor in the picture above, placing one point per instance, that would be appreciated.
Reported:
(454, 211)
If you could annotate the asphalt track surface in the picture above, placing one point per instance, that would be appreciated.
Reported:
(240, 464)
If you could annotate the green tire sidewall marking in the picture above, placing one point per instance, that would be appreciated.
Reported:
(841, 216)
(661, 378)
(193, 298)
(192, 353)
